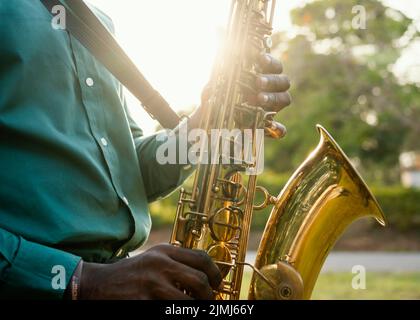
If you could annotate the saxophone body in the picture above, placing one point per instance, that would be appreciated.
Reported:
(321, 199)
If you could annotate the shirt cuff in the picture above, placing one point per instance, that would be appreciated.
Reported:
(39, 271)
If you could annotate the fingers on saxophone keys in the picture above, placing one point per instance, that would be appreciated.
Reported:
(274, 101)
(269, 64)
(273, 82)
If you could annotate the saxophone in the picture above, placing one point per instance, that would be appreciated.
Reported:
(322, 198)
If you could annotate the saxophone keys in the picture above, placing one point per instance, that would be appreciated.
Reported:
(268, 42)
(275, 129)
(278, 281)
(222, 257)
(225, 222)
(268, 199)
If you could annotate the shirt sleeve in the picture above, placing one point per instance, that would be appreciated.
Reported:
(159, 158)
(160, 178)
(31, 270)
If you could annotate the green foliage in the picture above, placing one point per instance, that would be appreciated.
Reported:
(350, 91)
(401, 206)
(163, 212)
(334, 18)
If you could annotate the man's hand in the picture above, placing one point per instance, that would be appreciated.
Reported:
(271, 89)
(162, 272)
(272, 85)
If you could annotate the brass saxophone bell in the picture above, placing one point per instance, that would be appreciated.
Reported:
(321, 199)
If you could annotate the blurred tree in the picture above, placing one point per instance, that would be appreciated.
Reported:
(342, 78)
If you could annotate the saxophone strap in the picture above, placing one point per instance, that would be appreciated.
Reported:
(83, 24)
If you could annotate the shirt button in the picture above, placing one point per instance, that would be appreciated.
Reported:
(125, 200)
(89, 82)
(104, 142)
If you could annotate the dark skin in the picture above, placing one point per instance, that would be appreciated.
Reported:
(158, 273)
(165, 271)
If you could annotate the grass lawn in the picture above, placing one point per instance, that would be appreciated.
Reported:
(378, 286)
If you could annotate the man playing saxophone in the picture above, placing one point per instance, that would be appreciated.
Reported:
(77, 173)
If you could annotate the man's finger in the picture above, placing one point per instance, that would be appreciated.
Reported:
(273, 82)
(268, 64)
(172, 293)
(274, 101)
(196, 259)
(192, 280)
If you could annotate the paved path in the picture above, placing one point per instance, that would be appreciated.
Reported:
(372, 261)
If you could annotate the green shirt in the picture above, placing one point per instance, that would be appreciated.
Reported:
(76, 172)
